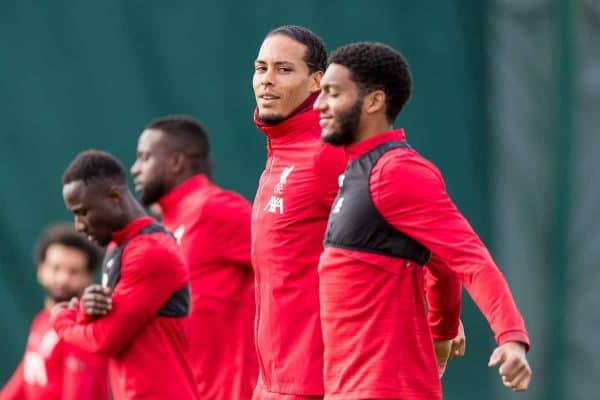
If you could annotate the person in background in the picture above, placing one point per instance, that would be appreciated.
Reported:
(212, 226)
(52, 369)
(145, 329)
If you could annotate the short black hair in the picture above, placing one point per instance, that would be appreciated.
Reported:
(188, 136)
(376, 66)
(95, 164)
(316, 52)
(65, 234)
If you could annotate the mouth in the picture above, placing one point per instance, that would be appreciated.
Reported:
(324, 120)
(138, 186)
(268, 99)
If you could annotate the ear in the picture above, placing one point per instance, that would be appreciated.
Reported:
(115, 193)
(315, 81)
(374, 102)
(177, 162)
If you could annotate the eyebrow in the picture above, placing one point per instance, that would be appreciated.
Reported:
(277, 63)
(330, 86)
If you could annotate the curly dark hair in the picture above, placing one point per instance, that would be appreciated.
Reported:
(376, 66)
(316, 52)
(187, 136)
(95, 164)
(65, 234)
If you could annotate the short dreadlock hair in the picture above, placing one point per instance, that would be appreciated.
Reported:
(94, 164)
(376, 66)
(316, 52)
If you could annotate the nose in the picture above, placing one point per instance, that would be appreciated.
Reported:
(267, 78)
(135, 169)
(62, 277)
(320, 103)
(79, 226)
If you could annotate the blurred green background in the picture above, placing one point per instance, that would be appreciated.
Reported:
(506, 102)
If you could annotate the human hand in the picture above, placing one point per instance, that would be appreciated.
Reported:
(96, 300)
(459, 343)
(514, 368)
(442, 354)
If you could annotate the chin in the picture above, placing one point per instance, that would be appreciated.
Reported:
(334, 139)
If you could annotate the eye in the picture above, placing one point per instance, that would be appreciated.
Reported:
(143, 156)
(260, 68)
(285, 69)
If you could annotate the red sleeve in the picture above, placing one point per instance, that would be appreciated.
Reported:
(330, 163)
(15, 387)
(145, 285)
(443, 291)
(410, 193)
(230, 227)
(85, 375)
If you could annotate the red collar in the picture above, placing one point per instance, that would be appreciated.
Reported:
(168, 203)
(356, 150)
(131, 229)
(303, 119)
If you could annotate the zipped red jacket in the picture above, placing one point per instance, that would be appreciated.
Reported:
(375, 328)
(54, 370)
(289, 217)
(212, 226)
(148, 353)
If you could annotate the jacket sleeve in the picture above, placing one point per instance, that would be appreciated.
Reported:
(15, 387)
(146, 284)
(443, 292)
(410, 193)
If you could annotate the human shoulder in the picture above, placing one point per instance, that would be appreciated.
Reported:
(147, 250)
(224, 207)
(405, 164)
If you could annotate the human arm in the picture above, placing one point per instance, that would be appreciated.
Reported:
(146, 284)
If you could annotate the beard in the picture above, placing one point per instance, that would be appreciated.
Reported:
(60, 297)
(348, 122)
(151, 193)
(271, 119)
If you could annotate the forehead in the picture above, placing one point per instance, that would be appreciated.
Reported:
(280, 48)
(78, 193)
(149, 139)
(60, 254)
(338, 75)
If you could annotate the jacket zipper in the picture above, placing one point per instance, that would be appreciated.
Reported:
(260, 209)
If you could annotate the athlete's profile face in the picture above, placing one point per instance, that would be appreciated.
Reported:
(151, 166)
(340, 105)
(96, 206)
(282, 80)
(64, 272)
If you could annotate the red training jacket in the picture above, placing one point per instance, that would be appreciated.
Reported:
(212, 226)
(289, 217)
(54, 370)
(377, 341)
(148, 353)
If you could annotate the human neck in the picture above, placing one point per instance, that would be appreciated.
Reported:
(132, 211)
(49, 303)
(371, 129)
